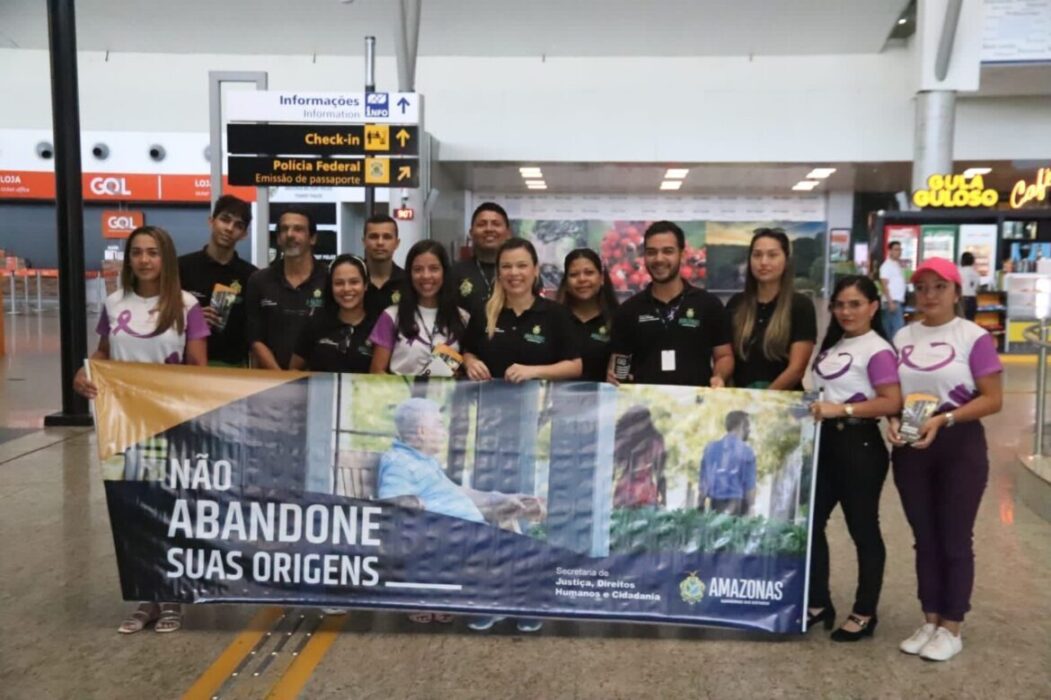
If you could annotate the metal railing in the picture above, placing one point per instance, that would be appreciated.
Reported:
(1037, 334)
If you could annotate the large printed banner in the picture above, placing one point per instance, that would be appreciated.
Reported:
(575, 500)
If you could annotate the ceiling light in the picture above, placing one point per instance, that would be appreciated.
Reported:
(820, 173)
(971, 172)
(676, 173)
(671, 184)
(530, 183)
(530, 172)
(805, 185)
(903, 21)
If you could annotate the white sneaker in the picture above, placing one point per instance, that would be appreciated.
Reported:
(919, 639)
(943, 646)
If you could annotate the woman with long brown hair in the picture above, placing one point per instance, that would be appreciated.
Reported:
(774, 327)
(149, 319)
(586, 290)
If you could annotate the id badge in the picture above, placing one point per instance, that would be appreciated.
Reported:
(667, 360)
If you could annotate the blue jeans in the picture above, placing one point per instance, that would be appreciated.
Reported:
(894, 321)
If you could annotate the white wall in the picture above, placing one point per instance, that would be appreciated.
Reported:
(722, 109)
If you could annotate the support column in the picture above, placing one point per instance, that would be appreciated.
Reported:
(69, 208)
(933, 141)
(406, 41)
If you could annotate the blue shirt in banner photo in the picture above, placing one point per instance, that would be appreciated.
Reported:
(405, 471)
(727, 468)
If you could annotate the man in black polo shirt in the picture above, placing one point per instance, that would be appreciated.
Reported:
(673, 332)
(385, 277)
(218, 265)
(474, 278)
(282, 297)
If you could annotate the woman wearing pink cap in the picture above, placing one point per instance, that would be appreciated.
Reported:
(941, 476)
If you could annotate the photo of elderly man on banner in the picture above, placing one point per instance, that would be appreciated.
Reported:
(574, 499)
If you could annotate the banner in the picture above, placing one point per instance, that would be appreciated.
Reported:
(572, 500)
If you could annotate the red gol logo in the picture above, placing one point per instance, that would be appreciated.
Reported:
(404, 214)
(119, 223)
(113, 186)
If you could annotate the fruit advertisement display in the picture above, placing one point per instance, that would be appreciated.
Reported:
(619, 243)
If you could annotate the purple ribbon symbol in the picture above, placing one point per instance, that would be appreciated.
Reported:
(123, 322)
(837, 374)
(906, 355)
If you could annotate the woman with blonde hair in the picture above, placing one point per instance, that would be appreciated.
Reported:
(149, 319)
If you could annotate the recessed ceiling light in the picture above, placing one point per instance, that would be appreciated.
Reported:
(805, 185)
(820, 173)
(530, 183)
(676, 173)
(530, 172)
(671, 184)
(903, 21)
(971, 172)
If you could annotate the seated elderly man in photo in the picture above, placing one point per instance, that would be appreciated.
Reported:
(410, 470)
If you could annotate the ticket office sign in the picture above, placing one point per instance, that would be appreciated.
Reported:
(577, 500)
(292, 171)
(322, 139)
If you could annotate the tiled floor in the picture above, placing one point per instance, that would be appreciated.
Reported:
(60, 602)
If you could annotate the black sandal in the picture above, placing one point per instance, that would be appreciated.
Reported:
(827, 616)
(867, 628)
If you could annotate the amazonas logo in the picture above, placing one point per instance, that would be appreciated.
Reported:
(691, 589)
(749, 590)
(535, 336)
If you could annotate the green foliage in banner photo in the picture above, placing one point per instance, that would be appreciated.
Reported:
(651, 530)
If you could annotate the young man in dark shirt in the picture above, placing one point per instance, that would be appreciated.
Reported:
(282, 297)
(217, 265)
(475, 277)
(380, 239)
(672, 332)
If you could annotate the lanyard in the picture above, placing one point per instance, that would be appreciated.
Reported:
(422, 327)
(346, 340)
(672, 314)
(488, 282)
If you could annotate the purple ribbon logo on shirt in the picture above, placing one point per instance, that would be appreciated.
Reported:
(906, 358)
(833, 375)
(123, 321)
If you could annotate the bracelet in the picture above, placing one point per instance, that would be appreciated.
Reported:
(950, 419)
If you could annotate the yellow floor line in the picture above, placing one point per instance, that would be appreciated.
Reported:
(300, 670)
(216, 674)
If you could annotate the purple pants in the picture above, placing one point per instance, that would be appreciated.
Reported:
(940, 490)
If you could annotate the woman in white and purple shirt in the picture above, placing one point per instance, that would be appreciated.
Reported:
(857, 372)
(149, 319)
(941, 476)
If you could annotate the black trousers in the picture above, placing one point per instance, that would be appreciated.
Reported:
(852, 466)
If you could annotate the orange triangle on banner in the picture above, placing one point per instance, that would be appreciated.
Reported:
(137, 401)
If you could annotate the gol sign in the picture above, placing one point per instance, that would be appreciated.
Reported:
(119, 223)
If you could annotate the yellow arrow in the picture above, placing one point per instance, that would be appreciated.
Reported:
(404, 172)
(403, 137)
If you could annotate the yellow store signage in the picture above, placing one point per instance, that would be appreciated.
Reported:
(955, 191)
(1024, 193)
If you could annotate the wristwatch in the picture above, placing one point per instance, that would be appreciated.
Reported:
(849, 410)
(950, 420)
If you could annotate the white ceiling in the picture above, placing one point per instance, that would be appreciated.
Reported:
(712, 178)
(469, 27)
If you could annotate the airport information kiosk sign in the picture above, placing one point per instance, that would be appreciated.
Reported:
(325, 139)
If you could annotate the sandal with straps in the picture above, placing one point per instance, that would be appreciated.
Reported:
(170, 619)
(137, 621)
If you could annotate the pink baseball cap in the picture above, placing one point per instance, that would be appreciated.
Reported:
(941, 267)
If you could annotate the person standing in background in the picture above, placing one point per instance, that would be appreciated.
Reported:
(892, 279)
(281, 298)
(217, 276)
(587, 292)
(970, 281)
(380, 240)
(475, 277)
(774, 327)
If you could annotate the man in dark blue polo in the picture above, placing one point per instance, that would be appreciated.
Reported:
(727, 475)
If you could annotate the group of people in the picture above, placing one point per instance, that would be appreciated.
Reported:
(484, 318)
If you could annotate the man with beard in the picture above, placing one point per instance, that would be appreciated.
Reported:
(282, 297)
(474, 277)
(671, 332)
(217, 274)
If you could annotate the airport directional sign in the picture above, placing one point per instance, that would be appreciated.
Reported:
(293, 171)
(323, 139)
